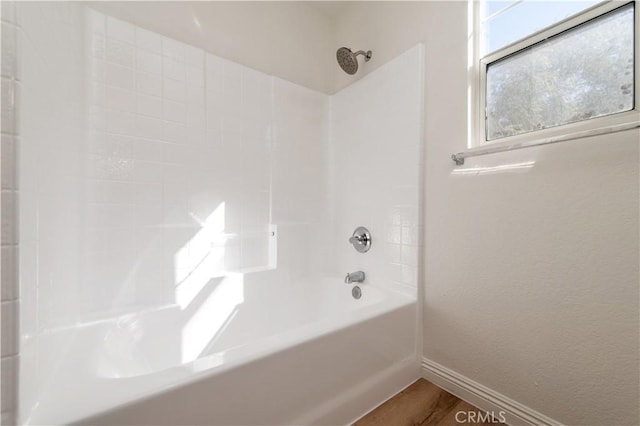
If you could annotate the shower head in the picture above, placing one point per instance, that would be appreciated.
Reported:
(348, 60)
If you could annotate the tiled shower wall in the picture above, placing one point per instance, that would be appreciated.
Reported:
(168, 159)
(153, 167)
(376, 143)
(9, 244)
(171, 154)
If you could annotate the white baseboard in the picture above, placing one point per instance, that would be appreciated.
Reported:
(482, 397)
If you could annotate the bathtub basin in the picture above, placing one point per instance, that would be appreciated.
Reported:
(314, 355)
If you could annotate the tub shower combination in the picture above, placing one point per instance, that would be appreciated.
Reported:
(186, 224)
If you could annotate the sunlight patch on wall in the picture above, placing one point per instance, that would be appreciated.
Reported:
(494, 169)
(201, 258)
(211, 316)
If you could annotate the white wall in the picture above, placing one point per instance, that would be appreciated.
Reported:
(291, 40)
(259, 33)
(531, 284)
(387, 28)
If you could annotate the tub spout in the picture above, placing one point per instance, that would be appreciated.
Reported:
(354, 277)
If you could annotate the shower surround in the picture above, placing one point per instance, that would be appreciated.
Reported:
(184, 223)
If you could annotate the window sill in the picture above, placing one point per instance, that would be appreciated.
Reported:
(534, 139)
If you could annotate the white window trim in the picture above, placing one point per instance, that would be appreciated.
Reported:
(478, 71)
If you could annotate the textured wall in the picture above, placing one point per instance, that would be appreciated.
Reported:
(531, 272)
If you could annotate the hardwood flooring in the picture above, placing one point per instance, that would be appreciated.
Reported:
(424, 404)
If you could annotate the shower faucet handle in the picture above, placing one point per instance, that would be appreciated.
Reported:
(361, 239)
(358, 239)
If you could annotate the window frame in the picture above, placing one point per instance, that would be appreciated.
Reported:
(477, 136)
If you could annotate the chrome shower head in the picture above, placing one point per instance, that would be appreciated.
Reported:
(348, 60)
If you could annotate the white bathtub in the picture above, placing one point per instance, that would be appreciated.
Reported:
(308, 353)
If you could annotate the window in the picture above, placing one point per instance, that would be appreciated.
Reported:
(554, 68)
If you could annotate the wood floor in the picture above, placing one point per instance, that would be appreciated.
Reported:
(423, 403)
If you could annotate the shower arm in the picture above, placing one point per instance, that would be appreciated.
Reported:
(367, 54)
